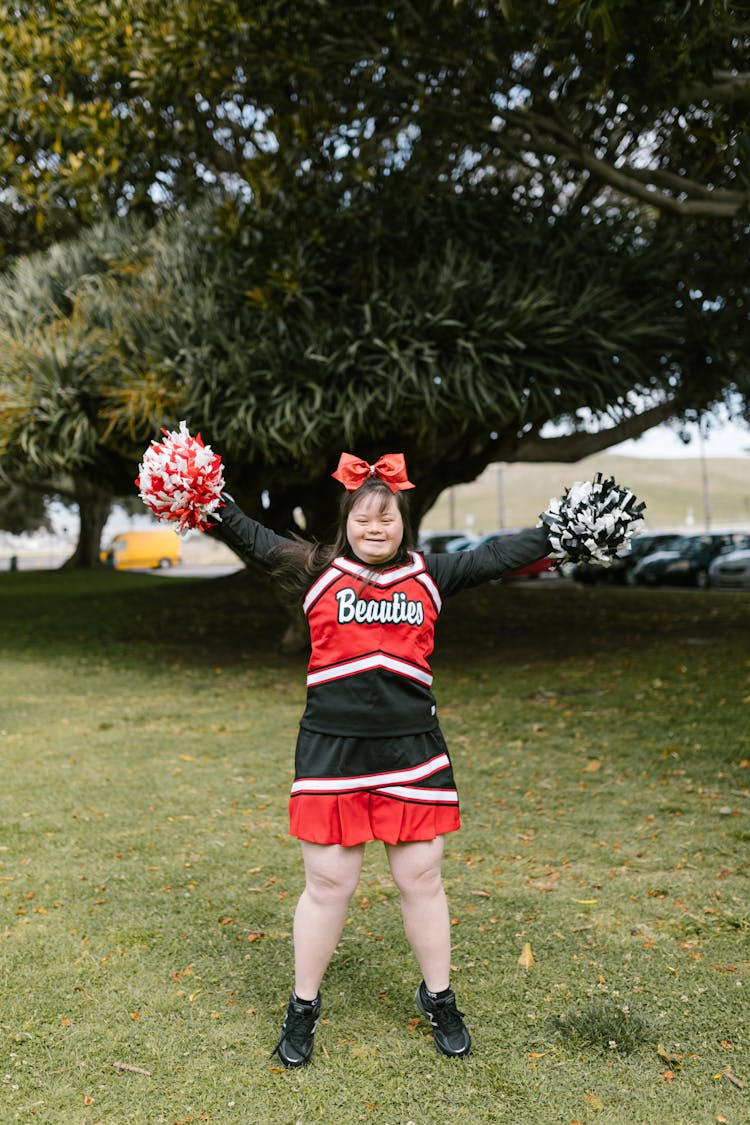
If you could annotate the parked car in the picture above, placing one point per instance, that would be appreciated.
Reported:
(533, 570)
(464, 542)
(686, 563)
(433, 542)
(620, 569)
(730, 571)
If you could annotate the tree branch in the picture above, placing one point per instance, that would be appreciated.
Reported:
(574, 447)
(639, 183)
(680, 184)
(726, 76)
(717, 207)
(728, 88)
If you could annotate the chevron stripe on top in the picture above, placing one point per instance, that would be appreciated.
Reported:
(377, 577)
(367, 664)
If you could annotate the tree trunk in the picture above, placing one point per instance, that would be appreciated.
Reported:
(94, 505)
(296, 636)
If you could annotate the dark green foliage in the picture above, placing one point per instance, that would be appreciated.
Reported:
(140, 106)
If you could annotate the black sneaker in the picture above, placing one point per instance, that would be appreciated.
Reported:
(448, 1028)
(295, 1047)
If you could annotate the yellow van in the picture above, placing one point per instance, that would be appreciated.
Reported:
(143, 549)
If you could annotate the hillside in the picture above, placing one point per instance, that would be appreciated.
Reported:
(512, 495)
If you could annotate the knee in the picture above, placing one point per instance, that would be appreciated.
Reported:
(422, 882)
(326, 889)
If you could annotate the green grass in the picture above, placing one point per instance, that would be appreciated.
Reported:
(602, 749)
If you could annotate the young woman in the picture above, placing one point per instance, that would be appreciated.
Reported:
(371, 762)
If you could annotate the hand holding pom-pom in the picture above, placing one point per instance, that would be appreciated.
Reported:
(181, 480)
(591, 521)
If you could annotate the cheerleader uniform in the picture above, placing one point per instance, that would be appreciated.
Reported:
(371, 762)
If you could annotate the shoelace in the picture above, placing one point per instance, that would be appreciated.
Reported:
(298, 1026)
(447, 1015)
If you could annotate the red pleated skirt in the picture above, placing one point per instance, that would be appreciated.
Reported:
(357, 818)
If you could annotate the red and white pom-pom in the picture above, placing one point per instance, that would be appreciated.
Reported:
(181, 480)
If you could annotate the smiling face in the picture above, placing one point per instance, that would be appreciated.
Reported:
(375, 528)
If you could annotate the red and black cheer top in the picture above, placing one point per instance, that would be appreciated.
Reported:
(370, 727)
(372, 635)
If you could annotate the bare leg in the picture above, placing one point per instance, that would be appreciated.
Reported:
(331, 873)
(415, 868)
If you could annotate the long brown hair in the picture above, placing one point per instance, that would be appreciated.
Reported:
(298, 563)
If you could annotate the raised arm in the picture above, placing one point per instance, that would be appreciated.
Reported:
(591, 520)
(492, 560)
(250, 539)
(181, 480)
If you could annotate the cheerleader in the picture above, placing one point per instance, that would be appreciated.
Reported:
(371, 762)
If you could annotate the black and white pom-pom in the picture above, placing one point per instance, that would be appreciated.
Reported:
(591, 521)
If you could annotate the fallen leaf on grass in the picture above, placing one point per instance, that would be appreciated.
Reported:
(180, 974)
(594, 1101)
(526, 960)
(731, 1077)
(674, 1061)
(592, 766)
(131, 1069)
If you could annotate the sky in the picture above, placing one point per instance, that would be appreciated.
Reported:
(729, 439)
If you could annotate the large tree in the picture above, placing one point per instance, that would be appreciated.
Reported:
(301, 334)
(436, 226)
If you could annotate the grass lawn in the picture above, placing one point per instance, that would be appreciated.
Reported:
(601, 744)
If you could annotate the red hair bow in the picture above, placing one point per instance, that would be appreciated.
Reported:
(390, 468)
